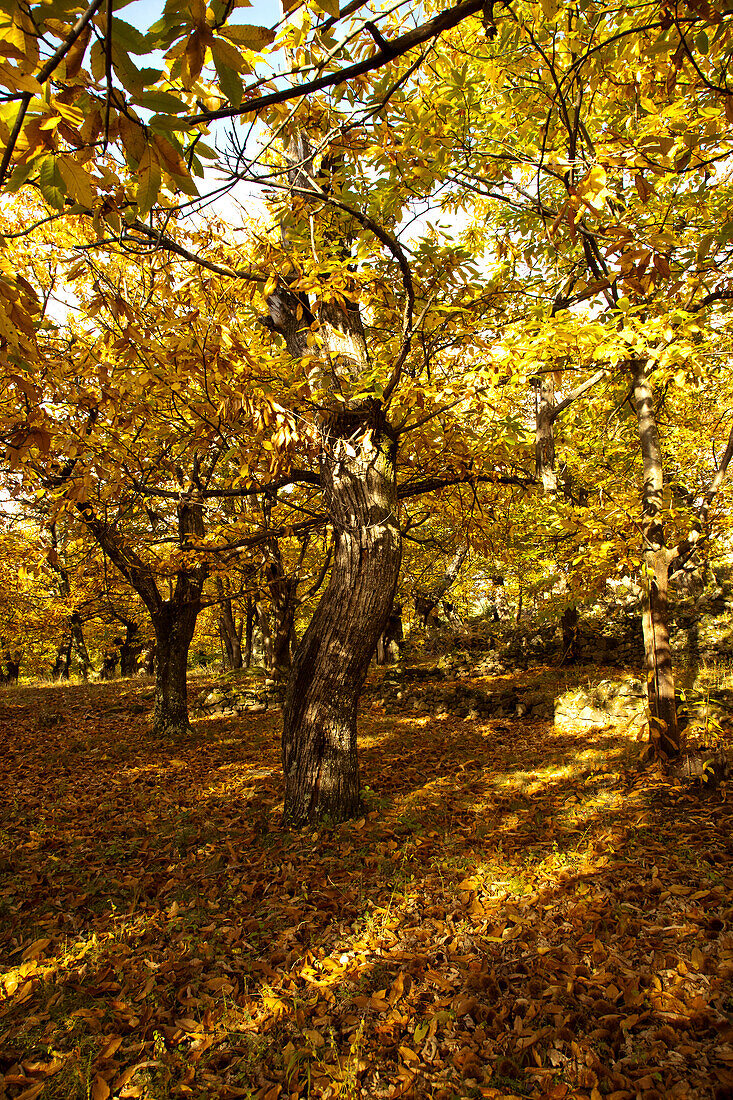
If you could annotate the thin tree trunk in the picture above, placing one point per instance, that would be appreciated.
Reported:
(264, 624)
(664, 735)
(320, 761)
(249, 627)
(230, 636)
(174, 619)
(544, 436)
(80, 645)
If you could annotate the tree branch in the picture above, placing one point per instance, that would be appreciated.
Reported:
(392, 48)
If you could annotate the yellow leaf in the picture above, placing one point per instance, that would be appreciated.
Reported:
(252, 38)
(76, 180)
(228, 55)
(331, 7)
(100, 1088)
(35, 949)
(148, 185)
(397, 988)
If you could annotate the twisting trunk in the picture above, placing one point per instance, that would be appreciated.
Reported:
(332, 660)
(664, 733)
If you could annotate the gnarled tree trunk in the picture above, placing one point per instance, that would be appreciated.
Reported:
(332, 660)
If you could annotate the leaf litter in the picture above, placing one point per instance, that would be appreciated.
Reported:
(520, 912)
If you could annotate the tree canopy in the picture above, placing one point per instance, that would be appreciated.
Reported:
(478, 304)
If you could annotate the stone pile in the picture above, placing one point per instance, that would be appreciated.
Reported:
(228, 699)
(424, 691)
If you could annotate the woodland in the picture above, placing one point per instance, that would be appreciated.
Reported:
(365, 578)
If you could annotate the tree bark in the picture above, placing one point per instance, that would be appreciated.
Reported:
(249, 626)
(231, 637)
(174, 627)
(664, 734)
(264, 624)
(283, 599)
(544, 435)
(331, 663)
(130, 648)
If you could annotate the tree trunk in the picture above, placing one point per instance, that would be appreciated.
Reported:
(264, 624)
(283, 597)
(174, 629)
(544, 436)
(174, 620)
(330, 665)
(390, 640)
(249, 627)
(130, 649)
(664, 734)
(80, 646)
(230, 636)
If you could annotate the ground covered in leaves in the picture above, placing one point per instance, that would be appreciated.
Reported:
(520, 912)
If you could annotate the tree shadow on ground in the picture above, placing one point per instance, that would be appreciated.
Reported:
(520, 912)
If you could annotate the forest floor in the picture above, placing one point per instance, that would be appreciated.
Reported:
(521, 912)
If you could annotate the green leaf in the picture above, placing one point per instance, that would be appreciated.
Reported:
(702, 42)
(51, 183)
(133, 40)
(226, 55)
(162, 102)
(229, 82)
(168, 122)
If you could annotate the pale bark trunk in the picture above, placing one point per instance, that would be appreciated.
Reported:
(319, 735)
(664, 735)
(263, 622)
(544, 436)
